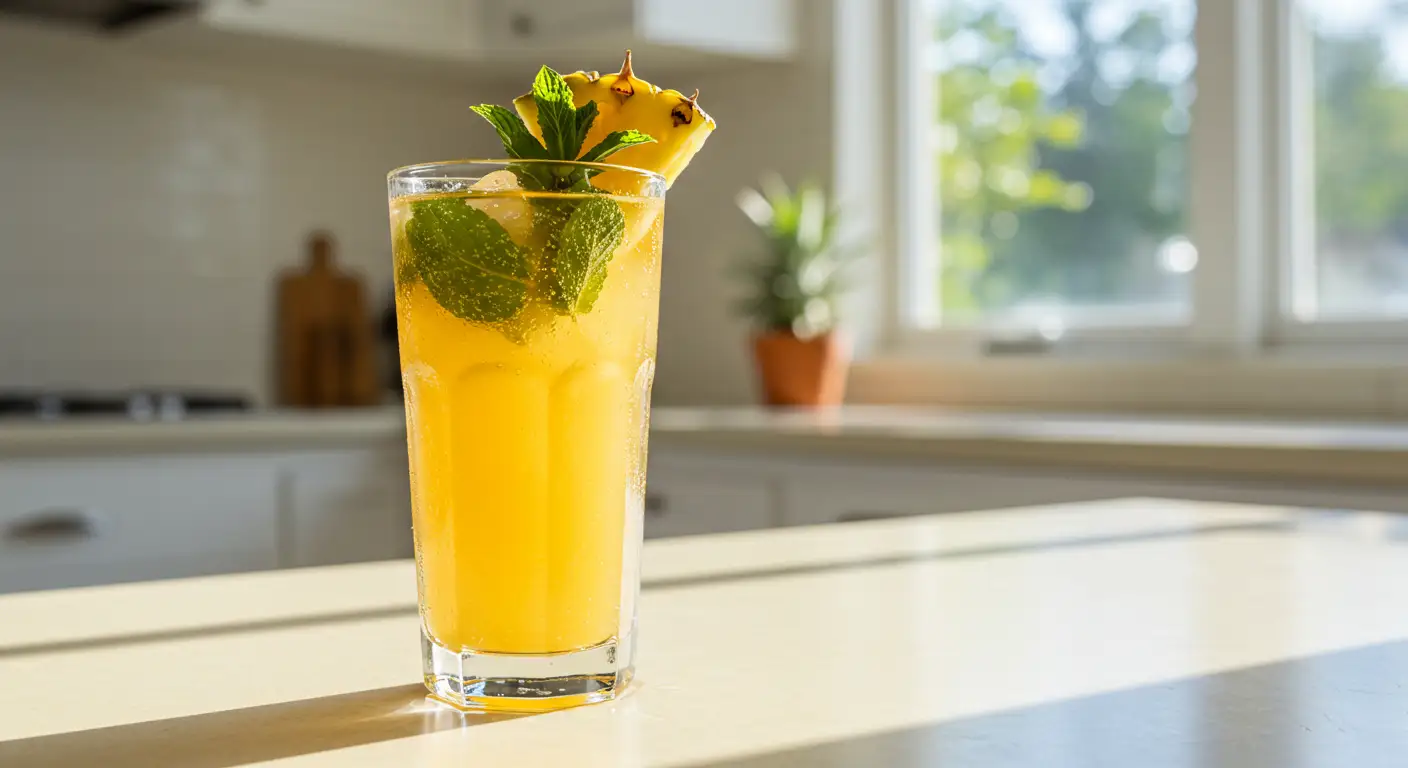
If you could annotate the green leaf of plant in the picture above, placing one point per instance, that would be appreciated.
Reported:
(513, 132)
(613, 143)
(588, 241)
(557, 116)
(799, 281)
(467, 260)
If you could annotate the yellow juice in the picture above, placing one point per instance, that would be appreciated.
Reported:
(527, 443)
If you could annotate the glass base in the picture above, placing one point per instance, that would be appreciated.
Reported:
(516, 682)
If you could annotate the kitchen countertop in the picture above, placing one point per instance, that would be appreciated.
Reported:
(1331, 451)
(266, 430)
(1131, 632)
(1339, 451)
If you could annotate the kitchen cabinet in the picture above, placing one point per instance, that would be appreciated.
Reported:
(346, 507)
(760, 29)
(71, 522)
(814, 490)
(704, 492)
(694, 492)
(428, 28)
(290, 491)
(506, 35)
(818, 493)
(76, 521)
(684, 498)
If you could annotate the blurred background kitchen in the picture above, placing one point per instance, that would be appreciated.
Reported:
(1083, 249)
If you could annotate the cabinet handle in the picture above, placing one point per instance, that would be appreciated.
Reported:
(53, 524)
(654, 505)
(861, 517)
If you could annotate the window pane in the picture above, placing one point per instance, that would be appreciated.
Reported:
(1060, 144)
(1359, 50)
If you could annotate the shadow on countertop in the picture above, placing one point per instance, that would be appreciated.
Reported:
(250, 735)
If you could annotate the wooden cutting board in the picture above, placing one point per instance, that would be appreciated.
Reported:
(326, 346)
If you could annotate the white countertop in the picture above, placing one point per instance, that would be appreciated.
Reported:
(1337, 451)
(1333, 451)
(271, 430)
(762, 643)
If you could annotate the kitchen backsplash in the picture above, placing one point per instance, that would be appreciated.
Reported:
(151, 196)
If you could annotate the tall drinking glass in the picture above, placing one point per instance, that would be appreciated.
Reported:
(527, 297)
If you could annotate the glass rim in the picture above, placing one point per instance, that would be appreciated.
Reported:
(411, 170)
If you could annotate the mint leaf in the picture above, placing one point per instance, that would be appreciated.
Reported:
(557, 115)
(586, 115)
(513, 132)
(615, 142)
(467, 260)
(584, 249)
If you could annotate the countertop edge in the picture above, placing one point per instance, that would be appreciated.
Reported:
(272, 431)
(1342, 453)
(1339, 464)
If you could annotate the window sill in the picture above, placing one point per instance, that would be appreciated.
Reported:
(1272, 386)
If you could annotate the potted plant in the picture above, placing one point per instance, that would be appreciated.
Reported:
(795, 285)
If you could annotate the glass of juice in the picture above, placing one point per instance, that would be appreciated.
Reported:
(527, 297)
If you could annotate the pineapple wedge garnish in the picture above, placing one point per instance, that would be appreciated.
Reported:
(625, 102)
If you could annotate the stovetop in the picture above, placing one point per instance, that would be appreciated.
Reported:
(138, 405)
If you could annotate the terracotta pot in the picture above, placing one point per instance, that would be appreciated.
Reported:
(802, 372)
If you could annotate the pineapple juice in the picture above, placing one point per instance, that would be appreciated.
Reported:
(527, 441)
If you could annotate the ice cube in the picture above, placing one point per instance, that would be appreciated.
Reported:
(497, 181)
(502, 203)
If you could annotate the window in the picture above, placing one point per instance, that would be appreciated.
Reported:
(1060, 151)
(1197, 173)
(1356, 266)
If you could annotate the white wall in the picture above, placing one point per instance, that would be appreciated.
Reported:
(148, 198)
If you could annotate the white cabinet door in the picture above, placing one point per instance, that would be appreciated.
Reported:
(698, 491)
(72, 522)
(814, 491)
(684, 498)
(347, 506)
(821, 492)
(428, 28)
(760, 29)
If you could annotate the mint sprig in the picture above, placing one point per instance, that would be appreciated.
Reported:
(469, 262)
(564, 129)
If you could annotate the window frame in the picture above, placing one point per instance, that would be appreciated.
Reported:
(1250, 208)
